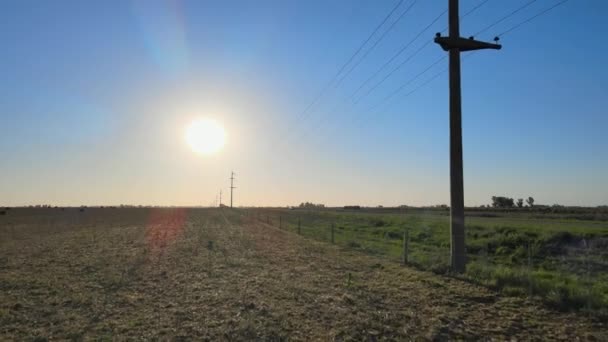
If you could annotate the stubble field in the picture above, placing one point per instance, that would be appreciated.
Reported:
(211, 274)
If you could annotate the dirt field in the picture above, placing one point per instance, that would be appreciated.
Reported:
(206, 274)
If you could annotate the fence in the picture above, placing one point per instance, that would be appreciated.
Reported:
(565, 270)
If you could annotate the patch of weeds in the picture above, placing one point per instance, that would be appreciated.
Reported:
(353, 244)
(514, 291)
(379, 223)
(393, 235)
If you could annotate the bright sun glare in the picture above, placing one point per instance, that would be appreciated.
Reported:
(205, 136)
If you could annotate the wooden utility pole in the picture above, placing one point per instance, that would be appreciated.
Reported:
(455, 44)
(231, 187)
(220, 198)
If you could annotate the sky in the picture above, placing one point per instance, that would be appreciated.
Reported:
(95, 98)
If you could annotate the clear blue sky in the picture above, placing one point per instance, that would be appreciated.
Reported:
(95, 97)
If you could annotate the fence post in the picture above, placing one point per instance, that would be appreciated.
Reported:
(332, 232)
(299, 225)
(529, 271)
(589, 291)
(406, 238)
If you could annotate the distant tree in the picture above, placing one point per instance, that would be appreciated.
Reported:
(311, 205)
(530, 201)
(520, 202)
(352, 207)
(502, 202)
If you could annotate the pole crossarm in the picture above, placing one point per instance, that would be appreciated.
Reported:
(464, 44)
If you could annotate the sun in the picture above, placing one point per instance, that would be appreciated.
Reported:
(205, 136)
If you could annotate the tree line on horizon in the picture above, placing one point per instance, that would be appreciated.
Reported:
(507, 202)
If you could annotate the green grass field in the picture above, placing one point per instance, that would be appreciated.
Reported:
(557, 258)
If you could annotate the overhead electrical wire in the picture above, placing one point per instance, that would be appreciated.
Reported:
(399, 66)
(399, 52)
(426, 28)
(517, 10)
(429, 67)
(408, 82)
(306, 112)
(516, 26)
(432, 78)
(370, 90)
(350, 59)
(376, 43)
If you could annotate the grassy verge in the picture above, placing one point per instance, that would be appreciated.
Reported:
(563, 262)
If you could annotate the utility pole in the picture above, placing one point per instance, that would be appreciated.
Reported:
(455, 44)
(220, 198)
(231, 187)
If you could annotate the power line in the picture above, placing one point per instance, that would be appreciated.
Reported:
(399, 52)
(476, 7)
(370, 90)
(386, 99)
(303, 114)
(481, 31)
(350, 59)
(505, 17)
(318, 124)
(396, 91)
(377, 42)
(418, 35)
(429, 80)
(435, 76)
(432, 78)
(516, 26)
(323, 118)
(420, 86)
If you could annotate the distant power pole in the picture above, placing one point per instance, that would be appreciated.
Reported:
(220, 197)
(455, 44)
(231, 187)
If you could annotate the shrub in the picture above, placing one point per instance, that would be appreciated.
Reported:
(393, 235)
(379, 223)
